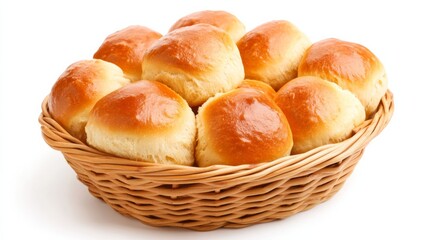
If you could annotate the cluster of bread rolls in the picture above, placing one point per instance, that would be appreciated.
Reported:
(208, 92)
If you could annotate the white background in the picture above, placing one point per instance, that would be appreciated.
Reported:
(386, 197)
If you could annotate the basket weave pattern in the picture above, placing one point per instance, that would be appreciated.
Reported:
(217, 196)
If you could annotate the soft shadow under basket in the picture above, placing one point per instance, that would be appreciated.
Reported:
(217, 196)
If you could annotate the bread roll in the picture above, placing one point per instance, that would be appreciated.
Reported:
(145, 121)
(243, 126)
(350, 65)
(258, 85)
(196, 61)
(78, 88)
(126, 48)
(319, 112)
(271, 52)
(221, 19)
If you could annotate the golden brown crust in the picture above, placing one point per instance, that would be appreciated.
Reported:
(350, 65)
(264, 43)
(73, 90)
(339, 59)
(271, 52)
(221, 19)
(197, 62)
(143, 106)
(258, 85)
(305, 103)
(145, 121)
(191, 49)
(318, 111)
(77, 90)
(126, 48)
(79, 87)
(243, 126)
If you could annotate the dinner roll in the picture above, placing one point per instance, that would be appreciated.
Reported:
(196, 61)
(350, 65)
(243, 126)
(258, 85)
(319, 112)
(221, 19)
(126, 48)
(144, 121)
(271, 52)
(78, 88)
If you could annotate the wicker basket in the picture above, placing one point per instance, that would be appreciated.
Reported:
(217, 196)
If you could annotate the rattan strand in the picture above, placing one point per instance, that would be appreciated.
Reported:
(217, 196)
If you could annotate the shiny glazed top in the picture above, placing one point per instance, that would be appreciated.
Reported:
(221, 19)
(126, 48)
(246, 126)
(196, 49)
(143, 106)
(339, 60)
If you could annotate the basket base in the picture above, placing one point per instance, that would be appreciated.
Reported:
(317, 188)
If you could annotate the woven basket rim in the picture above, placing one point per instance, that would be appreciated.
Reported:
(362, 135)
